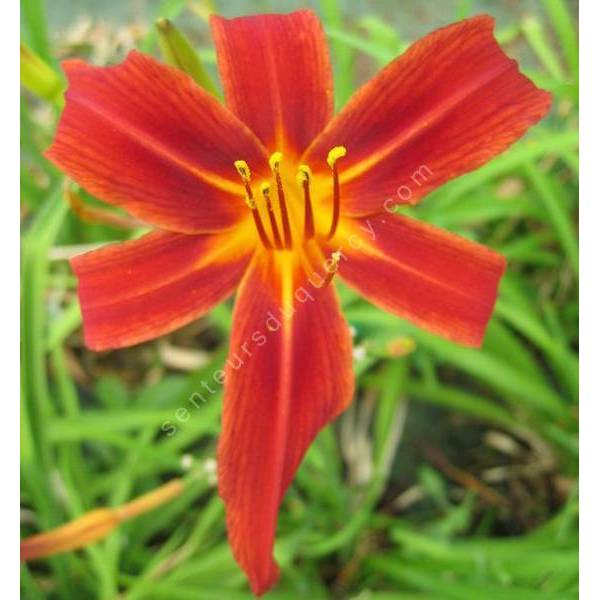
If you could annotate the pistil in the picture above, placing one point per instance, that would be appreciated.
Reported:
(332, 266)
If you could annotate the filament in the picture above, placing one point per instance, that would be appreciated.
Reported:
(274, 162)
(303, 178)
(265, 189)
(244, 172)
(334, 155)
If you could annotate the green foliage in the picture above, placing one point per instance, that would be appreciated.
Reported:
(454, 474)
(178, 52)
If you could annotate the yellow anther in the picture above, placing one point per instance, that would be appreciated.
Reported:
(334, 154)
(304, 174)
(243, 169)
(265, 190)
(274, 161)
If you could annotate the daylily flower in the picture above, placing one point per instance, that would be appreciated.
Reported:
(273, 195)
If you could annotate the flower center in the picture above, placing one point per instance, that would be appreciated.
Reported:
(273, 221)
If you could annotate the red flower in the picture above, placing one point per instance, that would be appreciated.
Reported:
(272, 194)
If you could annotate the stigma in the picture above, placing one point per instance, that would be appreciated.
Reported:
(271, 204)
(331, 266)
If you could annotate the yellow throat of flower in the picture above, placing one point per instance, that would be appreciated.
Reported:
(284, 212)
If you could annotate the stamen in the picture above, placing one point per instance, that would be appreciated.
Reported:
(303, 178)
(265, 188)
(274, 161)
(244, 171)
(334, 155)
(334, 262)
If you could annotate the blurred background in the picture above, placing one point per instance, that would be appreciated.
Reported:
(454, 473)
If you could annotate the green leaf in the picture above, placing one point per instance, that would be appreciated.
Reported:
(565, 29)
(39, 78)
(343, 54)
(536, 36)
(552, 197)
(179, 53)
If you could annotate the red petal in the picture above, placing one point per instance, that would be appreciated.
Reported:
(448, 105)
(441, 282)
(144, 136)
(276, 75)
(139, 290)
(286, 378)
